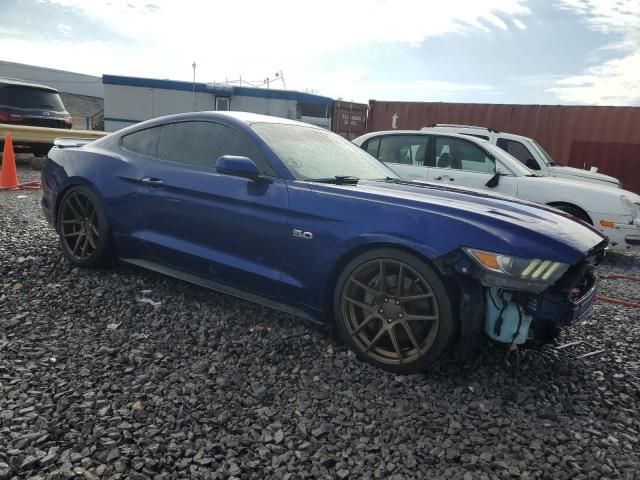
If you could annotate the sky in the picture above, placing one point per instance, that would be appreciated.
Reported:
(493, 51)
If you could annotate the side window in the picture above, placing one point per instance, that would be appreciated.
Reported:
(143, 141)
(462, 155)
(520, 151)
(405, 149)
(372, 146)
(202, 143)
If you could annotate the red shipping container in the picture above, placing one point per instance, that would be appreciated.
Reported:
(349, 119)
(582, 137)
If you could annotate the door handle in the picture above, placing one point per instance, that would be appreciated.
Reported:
(152, 181)
(451, 179)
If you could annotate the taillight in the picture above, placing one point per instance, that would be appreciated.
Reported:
(10, 117)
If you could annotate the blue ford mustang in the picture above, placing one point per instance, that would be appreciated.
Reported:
(295, 217)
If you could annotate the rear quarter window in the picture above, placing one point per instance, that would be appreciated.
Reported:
(144, 142)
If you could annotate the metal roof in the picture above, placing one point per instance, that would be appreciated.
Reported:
(25, 83)
(217, 89)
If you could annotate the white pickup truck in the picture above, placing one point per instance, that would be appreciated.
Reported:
(529, 152)
(468, 161)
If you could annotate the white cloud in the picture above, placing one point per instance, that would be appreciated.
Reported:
(294, 24)
(255, 38)
(64, 29)
(519, 23)
(497, 21)
(615, 81)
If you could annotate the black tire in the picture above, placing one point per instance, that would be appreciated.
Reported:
(85, 235)
(37, 162)
(40, 150)
(392, 327)
(574, 211)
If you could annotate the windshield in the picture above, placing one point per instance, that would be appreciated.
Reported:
(25, 97)
(312, 153)
(509, 161)
(544, 153)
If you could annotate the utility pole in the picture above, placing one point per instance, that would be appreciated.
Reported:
(193, 90)
(281, 75)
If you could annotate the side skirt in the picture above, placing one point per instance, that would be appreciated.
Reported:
(222, 288)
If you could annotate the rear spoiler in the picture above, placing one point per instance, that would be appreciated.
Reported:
(71, 142)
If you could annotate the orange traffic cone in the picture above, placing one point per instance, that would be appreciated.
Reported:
(8, 174)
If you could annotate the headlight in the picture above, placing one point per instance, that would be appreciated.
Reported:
(528, 274)
(631, 207)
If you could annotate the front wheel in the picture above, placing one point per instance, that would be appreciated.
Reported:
(393, 310)
(85, 236)
(576, 212)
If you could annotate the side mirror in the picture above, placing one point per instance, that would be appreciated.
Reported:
(237, 166)
(493, 181)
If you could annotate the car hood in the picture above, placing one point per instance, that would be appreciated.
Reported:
(591, 197)
(531, 229)
(577, 172)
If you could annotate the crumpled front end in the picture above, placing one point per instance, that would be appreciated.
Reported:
(516, 310)
(517, 317)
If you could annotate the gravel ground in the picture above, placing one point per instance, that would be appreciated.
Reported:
(123, 373)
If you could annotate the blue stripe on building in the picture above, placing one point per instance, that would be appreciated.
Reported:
(220, 90)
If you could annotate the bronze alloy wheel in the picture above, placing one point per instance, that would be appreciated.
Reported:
(390, 311)
(79, 226)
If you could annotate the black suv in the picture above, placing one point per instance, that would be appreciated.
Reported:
(25, 103)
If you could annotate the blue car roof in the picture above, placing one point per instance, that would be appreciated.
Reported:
(241, 120)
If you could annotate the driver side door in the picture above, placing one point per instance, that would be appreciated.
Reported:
(224, 228)
(462, 163)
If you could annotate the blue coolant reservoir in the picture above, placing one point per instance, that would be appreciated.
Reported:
(505, 329)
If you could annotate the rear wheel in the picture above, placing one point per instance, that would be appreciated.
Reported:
(85, 235)
(393, 310)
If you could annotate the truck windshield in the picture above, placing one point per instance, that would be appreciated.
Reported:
(544, 153)
(312, 153)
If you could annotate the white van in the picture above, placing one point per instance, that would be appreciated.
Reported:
(529, 152)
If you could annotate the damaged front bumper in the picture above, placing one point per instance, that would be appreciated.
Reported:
(513, 315)
(545, 313)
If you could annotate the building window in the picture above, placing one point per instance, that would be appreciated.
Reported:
(313, 110)
(223, 103)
